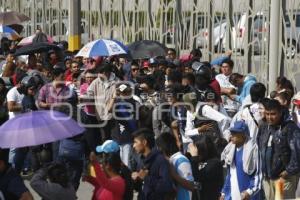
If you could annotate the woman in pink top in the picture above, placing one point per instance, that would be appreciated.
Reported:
(109, 185)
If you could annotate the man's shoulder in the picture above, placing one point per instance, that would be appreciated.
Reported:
(47, 86)
(13, 94)
(290, 126)
(12, 90)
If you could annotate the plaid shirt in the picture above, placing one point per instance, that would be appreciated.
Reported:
(49, 94)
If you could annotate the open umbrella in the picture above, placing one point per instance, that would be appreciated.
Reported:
(35, 48)
(8, 32)
(146, 49)
(12, 17)
(36, 38)
(102, 47)
(17, 27)
(38, 127)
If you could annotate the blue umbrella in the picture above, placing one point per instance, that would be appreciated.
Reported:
(102, 47)
(38, 127)
(8, 32)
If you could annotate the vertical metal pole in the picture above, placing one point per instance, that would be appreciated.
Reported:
(282, 31)
(210, 29)
(59, 10)
(101, 20)
(19, 6)
(33, 18)
(179, 38)
(194, 24)
(123, 21)
(229, 24)
(89, 20)
(44, 16)
(274, 43)
(162, 19)
(111, 18)
(135, 21)
(150, 19)
(248, 45)
(74, 25)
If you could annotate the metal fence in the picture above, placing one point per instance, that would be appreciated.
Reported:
(214, 25)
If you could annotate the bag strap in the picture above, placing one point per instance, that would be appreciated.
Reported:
(251, 113)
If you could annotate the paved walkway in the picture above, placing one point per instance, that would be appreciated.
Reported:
(84, 192)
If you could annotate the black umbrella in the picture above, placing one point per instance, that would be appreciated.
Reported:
(40, 37)
(146, 49)
(35, 48)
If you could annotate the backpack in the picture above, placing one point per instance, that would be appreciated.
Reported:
(214, 133)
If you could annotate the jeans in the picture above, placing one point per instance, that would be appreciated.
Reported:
(20, 158)
(55, 149)
(26, 157)
(92, 135)
(185, 147)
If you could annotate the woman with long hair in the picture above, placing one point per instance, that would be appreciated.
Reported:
(207, 167)
(109, 183)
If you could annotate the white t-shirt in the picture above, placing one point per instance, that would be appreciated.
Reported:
(224, 83)
(14, 95)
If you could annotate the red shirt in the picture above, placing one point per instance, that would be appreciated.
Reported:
(106, 188)
(214, 84)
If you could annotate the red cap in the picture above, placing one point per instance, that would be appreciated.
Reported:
(146, 64)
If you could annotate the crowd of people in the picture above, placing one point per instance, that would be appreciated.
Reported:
(156, 128)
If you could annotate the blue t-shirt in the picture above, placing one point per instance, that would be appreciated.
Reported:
(183, 168)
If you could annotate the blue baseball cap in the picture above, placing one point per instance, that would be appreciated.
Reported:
(109, 146)
(239, 127)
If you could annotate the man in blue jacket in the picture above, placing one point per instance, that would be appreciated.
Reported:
(157, 182)
(243, 83)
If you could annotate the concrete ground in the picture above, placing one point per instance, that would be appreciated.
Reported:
(85, 191)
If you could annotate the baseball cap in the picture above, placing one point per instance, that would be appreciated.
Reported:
(109, 146)
(122, 87)
(146, 64)
(153, 61)
(239, 127)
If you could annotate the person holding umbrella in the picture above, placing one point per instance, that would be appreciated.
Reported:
(56, 96)
(103, 90)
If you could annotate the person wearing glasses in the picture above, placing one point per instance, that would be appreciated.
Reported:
(134, 73)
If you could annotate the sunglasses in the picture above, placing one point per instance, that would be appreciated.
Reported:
(134, 69)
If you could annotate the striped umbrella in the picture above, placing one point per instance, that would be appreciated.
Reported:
(102, 47)
(9, 33)
(29, 40)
